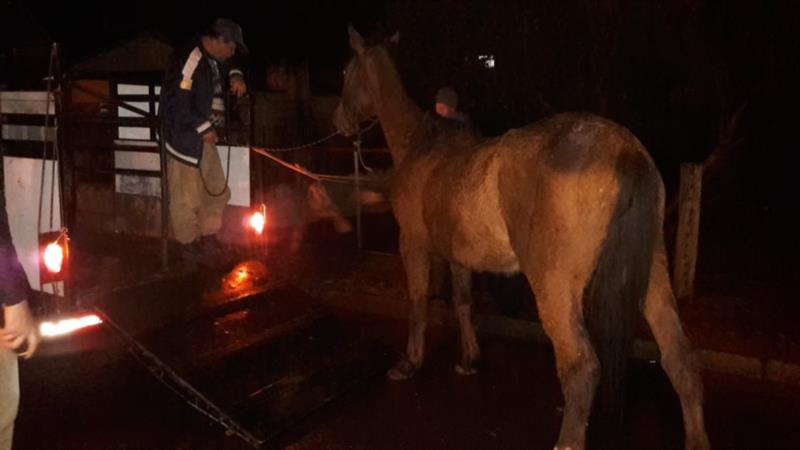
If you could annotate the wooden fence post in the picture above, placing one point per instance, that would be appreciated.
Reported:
(686, 241)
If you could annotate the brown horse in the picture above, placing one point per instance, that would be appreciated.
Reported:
(574, 202)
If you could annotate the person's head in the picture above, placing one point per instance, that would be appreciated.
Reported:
(222, 39)
(446, 102)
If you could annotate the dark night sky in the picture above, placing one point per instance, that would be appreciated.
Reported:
(273, 30)
(672, 71)
(669, 70)
(276, 32)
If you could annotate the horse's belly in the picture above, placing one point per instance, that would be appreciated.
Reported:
(477, 245)
(487, 257)
(466, 221)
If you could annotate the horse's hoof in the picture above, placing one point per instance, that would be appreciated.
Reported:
(403, 370)
(698, 443)
(461, 369)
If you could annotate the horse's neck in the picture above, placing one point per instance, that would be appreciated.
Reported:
(398, 114)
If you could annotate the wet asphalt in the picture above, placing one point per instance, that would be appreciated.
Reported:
(90, 394)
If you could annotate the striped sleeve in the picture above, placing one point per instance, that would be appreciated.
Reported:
(184, 105)
(191, 65)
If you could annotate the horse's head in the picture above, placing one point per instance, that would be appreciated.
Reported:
(356, 103)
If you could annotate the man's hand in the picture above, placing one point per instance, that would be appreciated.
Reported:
(20, 328)
(238, 87)
(210, 137)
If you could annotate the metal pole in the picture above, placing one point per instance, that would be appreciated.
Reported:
(356, 152)
(164, 201)
(66, 206)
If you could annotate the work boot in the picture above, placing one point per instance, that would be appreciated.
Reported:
(214, 255)
(191, 253)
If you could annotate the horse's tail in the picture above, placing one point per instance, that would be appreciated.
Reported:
(620, 282)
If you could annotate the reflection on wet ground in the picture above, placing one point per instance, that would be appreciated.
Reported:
(245, 275)
(259, 342)
(513, 403)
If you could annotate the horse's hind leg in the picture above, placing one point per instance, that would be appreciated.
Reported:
(559, 303)
(676, 355)
(417, 265)
(462, 305)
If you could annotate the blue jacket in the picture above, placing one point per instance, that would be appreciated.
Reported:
(185, 106)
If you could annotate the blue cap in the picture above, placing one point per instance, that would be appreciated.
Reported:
(231, 31)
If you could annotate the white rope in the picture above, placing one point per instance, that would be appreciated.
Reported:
(295, 167)
(344, 179)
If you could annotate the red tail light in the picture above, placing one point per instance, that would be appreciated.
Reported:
(258, 220)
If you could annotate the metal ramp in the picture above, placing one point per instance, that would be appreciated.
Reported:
(256, 363)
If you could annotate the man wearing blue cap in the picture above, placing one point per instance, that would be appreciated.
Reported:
(447, 106)
(192, 107)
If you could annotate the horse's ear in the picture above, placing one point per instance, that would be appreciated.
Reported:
(356, 41)
(395, 38)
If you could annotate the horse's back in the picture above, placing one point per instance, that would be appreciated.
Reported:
(485, 206)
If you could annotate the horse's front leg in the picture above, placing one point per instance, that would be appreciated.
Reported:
(462, 305)
(417, 263)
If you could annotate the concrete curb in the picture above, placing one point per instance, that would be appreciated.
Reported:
(713, 361)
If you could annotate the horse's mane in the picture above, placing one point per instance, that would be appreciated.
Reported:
(436, 133)
(433, 133)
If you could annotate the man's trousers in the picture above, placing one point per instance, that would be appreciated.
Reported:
(197, 196)
(9, 396)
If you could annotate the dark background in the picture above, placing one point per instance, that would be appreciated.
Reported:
(674, 72)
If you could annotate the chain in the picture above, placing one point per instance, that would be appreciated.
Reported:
(174, 382)
(301, 147)
(357, 144)
(368, 127)
(313, 143)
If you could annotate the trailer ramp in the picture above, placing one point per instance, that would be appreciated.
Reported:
(255, 362)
